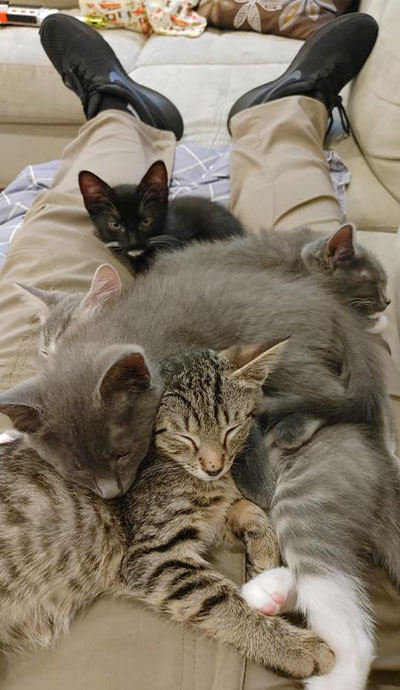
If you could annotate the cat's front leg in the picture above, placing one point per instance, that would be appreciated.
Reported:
(180, 584)
(251, 525)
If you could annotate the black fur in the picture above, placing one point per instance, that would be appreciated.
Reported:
(139, 218)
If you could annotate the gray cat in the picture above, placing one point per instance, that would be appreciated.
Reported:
(337, 262)
(62, 546)
(55, 310)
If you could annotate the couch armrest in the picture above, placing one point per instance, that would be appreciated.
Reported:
(374, 105)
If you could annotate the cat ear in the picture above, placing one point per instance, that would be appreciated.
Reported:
(156, 181)
(106, 285)
(124, 369)
(253, 363)
(22, 405)
(340, 245)
(94, 190)
(41, 300)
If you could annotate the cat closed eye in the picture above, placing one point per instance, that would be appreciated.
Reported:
(230, 433)
(189, 441)
(124, 457)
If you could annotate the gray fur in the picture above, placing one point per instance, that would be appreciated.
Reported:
(336, 262)
(189, 301)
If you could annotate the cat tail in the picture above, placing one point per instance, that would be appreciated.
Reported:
(337, 410)
(364, 398)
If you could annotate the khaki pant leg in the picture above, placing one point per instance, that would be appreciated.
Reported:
(121, 645)
(280, 178)
(56, 248)
(113, 645)
(279, 174)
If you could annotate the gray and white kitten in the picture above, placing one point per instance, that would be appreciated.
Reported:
(62, 546)
(336, 506)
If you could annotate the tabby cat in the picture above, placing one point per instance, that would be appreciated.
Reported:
(62, 546)
(138, 221)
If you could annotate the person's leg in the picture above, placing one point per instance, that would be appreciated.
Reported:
(279, 175)
(280, 179)
(56, 247)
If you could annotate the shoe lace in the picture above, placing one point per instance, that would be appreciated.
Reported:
(345, 122)
(326, 84)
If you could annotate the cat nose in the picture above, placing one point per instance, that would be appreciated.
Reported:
(387, 301)
(212, 460)
(108, 488)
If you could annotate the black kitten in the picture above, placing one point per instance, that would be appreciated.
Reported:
(137, 221)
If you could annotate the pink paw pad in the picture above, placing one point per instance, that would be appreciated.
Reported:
(273, 607)
(270, 591)
(269, 609)
(279, 598)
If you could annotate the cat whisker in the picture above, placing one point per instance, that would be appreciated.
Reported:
(164, 241)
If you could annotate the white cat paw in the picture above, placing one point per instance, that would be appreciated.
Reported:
(270, 592)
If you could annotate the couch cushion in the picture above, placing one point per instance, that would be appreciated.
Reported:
(210, 72)
(205, 76)
(369, 204)
(32, 91)
(53, 4)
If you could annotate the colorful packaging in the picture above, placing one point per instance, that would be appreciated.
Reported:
(168, 17)
(125, 14)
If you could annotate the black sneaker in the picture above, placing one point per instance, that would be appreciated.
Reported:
(325, 63)
(89, 66)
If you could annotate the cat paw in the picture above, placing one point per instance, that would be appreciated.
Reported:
(294, 431)
(270, 592)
